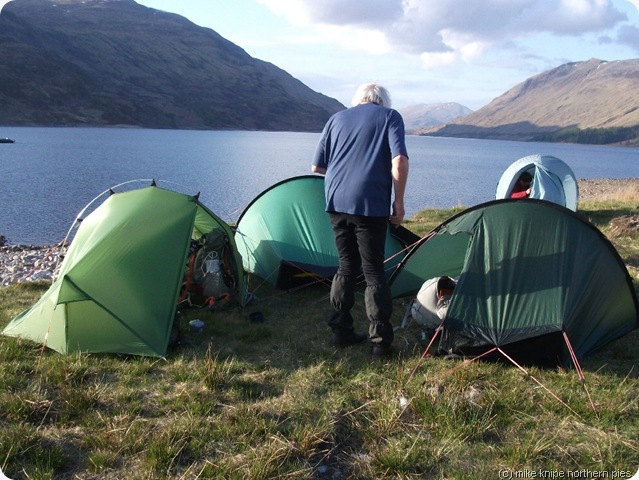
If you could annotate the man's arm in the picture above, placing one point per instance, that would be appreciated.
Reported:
(400, 176)
(319, 170)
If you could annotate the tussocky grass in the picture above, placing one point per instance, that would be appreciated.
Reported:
(245, 400)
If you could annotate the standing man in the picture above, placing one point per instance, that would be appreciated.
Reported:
(362, 152)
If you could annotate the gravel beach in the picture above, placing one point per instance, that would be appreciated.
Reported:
(28, 263)
(604, 188)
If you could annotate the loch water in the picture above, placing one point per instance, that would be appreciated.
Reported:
(49, 174)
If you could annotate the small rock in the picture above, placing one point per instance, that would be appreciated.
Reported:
(473, 394)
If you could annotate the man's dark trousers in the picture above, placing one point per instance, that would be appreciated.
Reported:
(360, 242)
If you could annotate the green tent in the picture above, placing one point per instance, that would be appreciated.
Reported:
(119, 283)
(285, 236)
(532, 276)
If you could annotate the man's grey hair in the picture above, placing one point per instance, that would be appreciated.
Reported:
(371, 92)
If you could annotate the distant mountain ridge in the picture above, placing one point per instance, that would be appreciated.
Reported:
(115, 62)
(118, 63)
(584, 102)
(425, 115)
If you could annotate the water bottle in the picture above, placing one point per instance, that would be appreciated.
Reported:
(212, 265)
(212, 285)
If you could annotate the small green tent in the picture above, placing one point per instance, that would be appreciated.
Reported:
(118, 286)
(532, 276)
(285, 236)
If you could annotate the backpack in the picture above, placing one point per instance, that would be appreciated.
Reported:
(211, 272)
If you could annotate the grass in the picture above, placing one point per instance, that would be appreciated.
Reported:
(275, 400)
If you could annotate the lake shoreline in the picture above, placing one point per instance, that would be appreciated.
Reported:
(606, 188)
(27, 263)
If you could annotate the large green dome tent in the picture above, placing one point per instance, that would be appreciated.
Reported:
(533, 278)
(285, 236)
(118, 285)
(553, 180)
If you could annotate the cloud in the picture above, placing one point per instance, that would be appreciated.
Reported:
(442, 32)
(373, 13)
(357, 38)
(629, 35)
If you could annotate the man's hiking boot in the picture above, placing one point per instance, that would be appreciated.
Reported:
(381, 350)
(342, 339)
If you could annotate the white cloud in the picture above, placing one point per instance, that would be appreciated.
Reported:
(438, 59)
(441, 32)
(295, 11)
(370, 41)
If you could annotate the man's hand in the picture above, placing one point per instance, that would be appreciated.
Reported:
(398, 213)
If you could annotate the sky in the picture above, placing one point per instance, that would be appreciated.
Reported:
(422, 51)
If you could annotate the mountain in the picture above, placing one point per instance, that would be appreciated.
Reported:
(115, 62)
(417, 117)
(584, 102)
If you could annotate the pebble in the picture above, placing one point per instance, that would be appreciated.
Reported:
(28, 263)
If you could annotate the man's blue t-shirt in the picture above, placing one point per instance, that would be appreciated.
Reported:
(356, 149)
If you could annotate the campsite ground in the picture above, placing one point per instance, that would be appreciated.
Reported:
(245, 400)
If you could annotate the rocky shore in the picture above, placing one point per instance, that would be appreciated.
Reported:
(606, 188)
(28, 263)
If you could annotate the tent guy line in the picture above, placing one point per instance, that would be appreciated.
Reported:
(522, 279)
